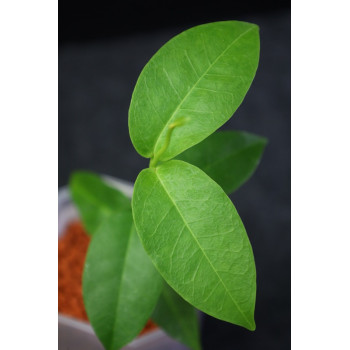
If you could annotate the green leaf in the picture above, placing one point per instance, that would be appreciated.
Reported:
(202, 75)
(177, 317)
(120, 284)
(228, 157)
(95, 200)
(196, 239)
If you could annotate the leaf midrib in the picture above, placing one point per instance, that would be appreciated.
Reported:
(195, 85)
(200, 247)
(121, 279)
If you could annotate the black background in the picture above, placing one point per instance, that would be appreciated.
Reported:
(94, 20)
(103, 47)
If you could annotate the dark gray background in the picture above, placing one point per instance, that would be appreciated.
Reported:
(96, 79)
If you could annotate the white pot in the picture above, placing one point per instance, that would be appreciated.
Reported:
(79, 335)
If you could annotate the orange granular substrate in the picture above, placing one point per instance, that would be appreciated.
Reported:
(72, 248)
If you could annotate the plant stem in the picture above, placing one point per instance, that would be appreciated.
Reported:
(171, 127)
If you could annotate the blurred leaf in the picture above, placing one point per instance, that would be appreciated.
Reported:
(177, 317)
(228, 157)
(120, 284)
(95, 199)
(203, 75)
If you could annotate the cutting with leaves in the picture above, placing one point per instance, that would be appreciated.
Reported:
(179, 245)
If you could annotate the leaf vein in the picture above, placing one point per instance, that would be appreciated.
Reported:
(205, 49)
(190, 62)
(161, 220)
(217, 91)
(171, 84)
(151, 103)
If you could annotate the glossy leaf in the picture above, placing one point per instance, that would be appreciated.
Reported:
(120, 284)
(196, 239)
(228, 157)
(95, 200)
(177, 317)
(202, 75)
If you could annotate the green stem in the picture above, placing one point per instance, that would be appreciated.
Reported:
(171, 127)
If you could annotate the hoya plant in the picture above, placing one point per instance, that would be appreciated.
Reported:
(179, 245)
